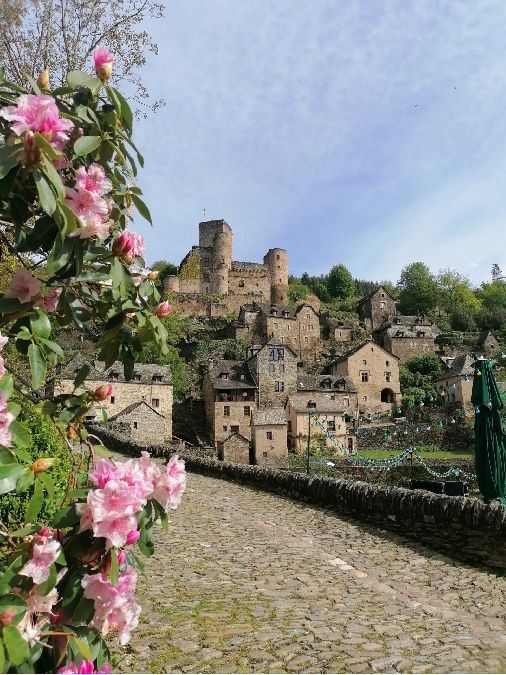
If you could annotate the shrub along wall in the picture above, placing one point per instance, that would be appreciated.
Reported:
(468, 528)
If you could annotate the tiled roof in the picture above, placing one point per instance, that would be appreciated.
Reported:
(484, 335)
(276, 343)
(463, 364)
(324, 404)
(133, 406)
(146, 371)
(408, 333)
(233, 370)
(371, 295)
(274, 416)
(350, 352)
(316, 383)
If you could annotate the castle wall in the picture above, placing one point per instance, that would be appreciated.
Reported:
(277, 261)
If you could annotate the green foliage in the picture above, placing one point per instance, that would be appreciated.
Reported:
(46, 441)
(425, 365)
(340, 283)
(164, 269)
(297, 290)
(418, 289)
(177, 366)
(191, 268)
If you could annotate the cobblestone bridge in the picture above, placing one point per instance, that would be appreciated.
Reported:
(247, 581)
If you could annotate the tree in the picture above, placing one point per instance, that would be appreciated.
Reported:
(496, 273)
(418, 289)
(364, 288)
(164, 269)
(340, 283)
(297, 290)
(454, 290)
(61, 35)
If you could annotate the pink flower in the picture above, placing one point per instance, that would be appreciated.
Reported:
(162, 310)
(122, 245)
(132, 537)
(49, 302)
(112, 511)
(93, 180)
(137, 244)
(24, 286)
(105, 470)
(63, 163)
(38, 113)
(2, 368)
(85, 204)
(84, 668)
(170, 486)
(5, 419)
(103, 392)
(103, 63)
(121, 557)
(38, 603)
(3, 341)
(44, 554)
(94, 227)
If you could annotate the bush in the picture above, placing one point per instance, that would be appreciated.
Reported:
(46, 442)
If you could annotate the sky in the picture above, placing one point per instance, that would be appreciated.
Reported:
(369, 133)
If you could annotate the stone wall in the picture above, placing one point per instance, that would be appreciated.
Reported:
(466, 528)
(451, 437)
(235, 449)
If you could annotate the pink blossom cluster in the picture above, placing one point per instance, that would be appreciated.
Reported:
(123, 490)
(5, 416)
(45, 549)
(115, 608)
(87, 201)
(84, 668)
(128, 245)
(27, 288)
(38, 113)
(3, 342)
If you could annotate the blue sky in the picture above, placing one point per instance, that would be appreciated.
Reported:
(367, 132)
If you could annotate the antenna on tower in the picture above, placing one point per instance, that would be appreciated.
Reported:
(204, 212)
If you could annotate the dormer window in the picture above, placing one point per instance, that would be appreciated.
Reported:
(285, 313)
(418, 320)
(341, 385)
(421, 333)
(397, 321)
(274, 311)
(157, 378)
(113, 375)
(224, 376)
(326, 384)
(399, 333)
(241, 377)
(137, 377)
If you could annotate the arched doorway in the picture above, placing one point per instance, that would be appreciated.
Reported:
(387, 396)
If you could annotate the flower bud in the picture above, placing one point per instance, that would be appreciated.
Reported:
(32, 154)
(7, 616)
(104, 72)
(44, 532)
(132, 537)
(123, 245)
(153, 275)
(121, 557)
(43, 79)
(71, 433)
(42, 464)
(162, 310)
(103, 392)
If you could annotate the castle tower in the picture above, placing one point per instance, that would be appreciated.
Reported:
(276, 260)
(221, 261)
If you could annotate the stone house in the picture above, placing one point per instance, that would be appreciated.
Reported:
(151, 383)
(298, 327)
(331, 416)
(375, 372)
(235, 448)
(209, 270)
(269, 438)
(457, 381)
(273, 368)
(230, 396)
(141, 422)
(376, 307)
(486, 345)
(408, 336)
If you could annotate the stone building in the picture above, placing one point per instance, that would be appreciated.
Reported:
(230, 396)
(298, 327)
(234, 448)
(375, 372)
(408, 336)
(151, 383)
(269, 438)
(141, 422)
(209, 270)
(274, 370)
(486, 345)
(376, 307)
(457, 381)
(331, 416)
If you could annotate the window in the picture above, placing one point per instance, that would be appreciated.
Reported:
(247, 411)
(289, 426)
(346, 402)
(113, 376)
(277, 256)
(225, 427)
(268, 435)
(453, 397)
(425, 348)
(382, 295)
(271, 367)
(276, 326)
(226, 411)
(224, 376)
(364, 375)
(372, 349)
(387, 363)
(306, 340)
(387, 377)
(303, 327)
(281, 338)
(264, 454)
(382, 305)
(156, 378)
(279, 386)
(205, 262)
(113, 399)
(234, 428)
(281, 367)
(155, 402)
(276, 354)
(308, 316)
(241, 377)
(135, 425)
(341, 386)
(364, 398)
(137, 377)
(326, 384)
(310, 327)
(413, 344)
(245, 394)
(206, 278)
(288, 327)
(364, 362)
(331, 425)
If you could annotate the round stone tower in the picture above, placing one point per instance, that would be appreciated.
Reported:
(276, 261)
(221, 260)
(171, 284)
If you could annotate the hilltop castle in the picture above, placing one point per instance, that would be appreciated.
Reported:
(208, 270)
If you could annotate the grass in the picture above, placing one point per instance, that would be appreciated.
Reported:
(436, 454)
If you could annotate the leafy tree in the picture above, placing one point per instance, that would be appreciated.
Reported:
(425, 365)
(454, 290)
(164, 269)
(340, 283)
(418, 289)
(364, 288)
(493, 295)
(61, 35)
(496, 272)
(491, 319)
(297, 290)
(463, 318)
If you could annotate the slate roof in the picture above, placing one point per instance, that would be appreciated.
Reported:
(234, 370)
(483, 336)
(371, 295)
(276, 343)
(133, 406)
(350, 352)
(324, 404)
(395, 331)
(273, 416)
(98, 372)
(235, 433)
(463, 364)
(315, 383)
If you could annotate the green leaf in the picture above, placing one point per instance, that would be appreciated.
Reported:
(6, 387)
(65, 517)
(22, 435)
(105, 417)
(8, 305)
(125, 110)
(9, 157)
(60, 255)
(17, 648)
(38, 365)
(39, 323)
(81, 317)
(47, 481)
(54, 177)
(35, 504)
(86, 144)
(72, 594)
(46, 147)
(34, 84)
(114, 567)
(25, 531)
(7, 183)
(73, 221)
(46, 196)
(14, 602)
(82, 647)
(142, 208)
(25, 481)
(79, 493)
(9, 474)
(5, 456)
(81, 376)
(9, 578)
(77, 78)
(101, 450)
(46, 408)
(116, 272)
(52, 346)
(84, 612)
(2, 658)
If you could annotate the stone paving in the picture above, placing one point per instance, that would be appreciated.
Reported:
(247, 581)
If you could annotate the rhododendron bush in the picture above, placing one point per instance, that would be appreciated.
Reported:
(68, 196)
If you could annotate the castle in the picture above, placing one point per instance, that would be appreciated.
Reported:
(211, 282)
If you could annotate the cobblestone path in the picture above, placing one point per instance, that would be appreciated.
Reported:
(247, 581)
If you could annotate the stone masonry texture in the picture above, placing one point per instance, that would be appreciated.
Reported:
(249, 581)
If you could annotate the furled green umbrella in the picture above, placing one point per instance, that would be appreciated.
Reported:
(490, 439)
